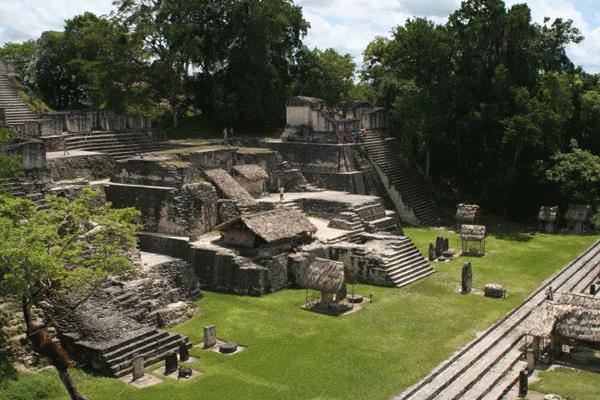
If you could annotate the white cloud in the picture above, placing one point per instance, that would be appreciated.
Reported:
(346, 25)
(27, 19)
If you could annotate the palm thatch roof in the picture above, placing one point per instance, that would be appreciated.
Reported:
(273, 226)
(230, 188)
(467, 212)
(571, 317)
(472, 232)
(579, 212)
(326, 276)
(305, 101)
(251, 172)
(548, 213)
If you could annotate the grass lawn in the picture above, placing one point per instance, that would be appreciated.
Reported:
(371, 354)
(569, 384)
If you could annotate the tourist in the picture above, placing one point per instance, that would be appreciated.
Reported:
(225, 132)
(65, 148)
(281, 192)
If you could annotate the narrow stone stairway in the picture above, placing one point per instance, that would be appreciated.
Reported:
(413, 191)
(15, 109)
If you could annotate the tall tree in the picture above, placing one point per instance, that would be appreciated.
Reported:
(325, 74)
(72, 246)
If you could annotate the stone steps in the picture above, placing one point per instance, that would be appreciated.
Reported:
(15, 108)
(414, 193)
(406, 265)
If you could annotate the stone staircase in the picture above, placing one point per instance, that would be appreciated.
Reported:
(406, 264)
(412, 190)
(17, 188)
(376, 217)
(119, 145)
(15, 109)
(114, 358)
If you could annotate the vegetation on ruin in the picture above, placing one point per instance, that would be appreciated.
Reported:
(372, 354)
(481, 102)
(10, 167)
(72, 247)
(568, 383)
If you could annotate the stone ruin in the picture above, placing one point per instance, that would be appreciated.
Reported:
(213, 219)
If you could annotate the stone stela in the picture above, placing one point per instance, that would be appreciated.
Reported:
(171, 363)
(467, 278)
(138, 368)
(210, 336)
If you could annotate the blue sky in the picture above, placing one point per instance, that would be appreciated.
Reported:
(346, 25)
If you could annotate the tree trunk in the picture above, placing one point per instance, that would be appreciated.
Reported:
(65, 378)
(43, 344)
(427, 162)
(174, 115)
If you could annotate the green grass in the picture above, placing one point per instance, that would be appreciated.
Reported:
(371, 354)
(569, 384)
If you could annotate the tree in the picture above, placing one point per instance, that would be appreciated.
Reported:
(576, 175)
(10, 166)
(22, 56)
(71, 247)
(324, 74)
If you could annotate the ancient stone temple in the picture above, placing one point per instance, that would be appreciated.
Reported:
(346, 148)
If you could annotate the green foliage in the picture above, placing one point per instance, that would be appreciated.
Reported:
(30, 386)
(484, 98)
(428, 315)
(69, 247)
(324, 74)
(568, 383)
(22, 56)
(576, 175)
(10, 167)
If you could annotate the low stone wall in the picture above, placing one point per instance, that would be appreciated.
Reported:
(364, 266)
(90, 167)
(352, 182)
(173, 246)
(227, 272)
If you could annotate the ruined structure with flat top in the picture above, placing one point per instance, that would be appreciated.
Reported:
(247, 217)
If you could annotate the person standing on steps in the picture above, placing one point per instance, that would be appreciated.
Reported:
(281, 192)
(225, 133)
(65, 148)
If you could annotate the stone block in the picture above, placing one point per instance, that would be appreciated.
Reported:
(171, 363)
(210, 336)
(467, 278)
(138, 368)
(184, 352)
(494, 290)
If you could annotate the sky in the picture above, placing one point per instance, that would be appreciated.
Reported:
(345, 25)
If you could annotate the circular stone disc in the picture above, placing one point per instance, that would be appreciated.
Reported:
(228, 348)
(355, 299)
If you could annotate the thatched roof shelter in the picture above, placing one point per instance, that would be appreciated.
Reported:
(305, 101)
(579, 213)
(229, 187)
(251, 172)
(472, 233)
(570, 317)
(548, 214)
(326, 276)
(270, 227)
(467, 213)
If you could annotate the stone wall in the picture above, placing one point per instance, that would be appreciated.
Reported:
(32, 153)
(367, 267)
(91, 167)
(173, 246)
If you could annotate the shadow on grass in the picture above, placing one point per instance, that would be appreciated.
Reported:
(7, 371)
